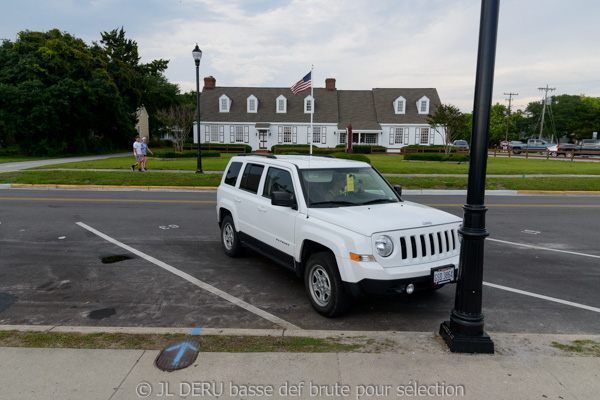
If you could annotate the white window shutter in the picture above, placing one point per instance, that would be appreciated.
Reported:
(294, 135)
(207, 134)
(246, 134)
(231, 134)
(221, 134)
(280, 135)
(324, 135)
(418, 136)
(392, 135)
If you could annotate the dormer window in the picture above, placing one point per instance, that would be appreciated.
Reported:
(308, 105)
(400, 105)
(252, 104)
(224, 103)
(423, 105)
(281, 107)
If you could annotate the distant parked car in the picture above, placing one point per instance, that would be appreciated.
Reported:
(461, 144)
(504, 145)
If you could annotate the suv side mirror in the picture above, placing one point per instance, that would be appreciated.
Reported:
(283, 199)
(398, 190)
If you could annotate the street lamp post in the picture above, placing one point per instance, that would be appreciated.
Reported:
(197, 54)
(464, 332)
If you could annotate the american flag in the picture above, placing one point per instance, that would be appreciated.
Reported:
(302, 84)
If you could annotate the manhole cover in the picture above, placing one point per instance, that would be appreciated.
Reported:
(178, 355)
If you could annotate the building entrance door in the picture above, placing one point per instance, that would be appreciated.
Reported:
(262, 140)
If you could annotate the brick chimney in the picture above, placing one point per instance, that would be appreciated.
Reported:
(330, 84)
(209, 83)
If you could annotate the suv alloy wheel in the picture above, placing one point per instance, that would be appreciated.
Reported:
(324, 285)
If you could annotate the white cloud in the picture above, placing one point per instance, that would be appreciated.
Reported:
(361, 43)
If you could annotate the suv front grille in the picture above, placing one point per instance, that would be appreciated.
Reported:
(429, 244)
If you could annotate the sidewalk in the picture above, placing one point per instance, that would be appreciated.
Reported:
(412, 364)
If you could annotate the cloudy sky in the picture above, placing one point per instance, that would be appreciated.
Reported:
(363, 44)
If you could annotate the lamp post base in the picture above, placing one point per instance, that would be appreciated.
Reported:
(199, 171)
(460, 343)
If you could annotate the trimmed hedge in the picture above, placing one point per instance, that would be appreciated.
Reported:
(243, 148)
(186, 154)
(300, 149)
(364, 149)
(436, 157)
(356, 157)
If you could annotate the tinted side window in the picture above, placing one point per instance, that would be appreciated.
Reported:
(232, 173)
(251, 177)
(278, 180)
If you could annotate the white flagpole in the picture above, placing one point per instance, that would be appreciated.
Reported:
(312, 108)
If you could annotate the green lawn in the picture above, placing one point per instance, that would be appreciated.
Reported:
(387, 164)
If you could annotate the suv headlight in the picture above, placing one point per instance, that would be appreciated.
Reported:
(384, 246)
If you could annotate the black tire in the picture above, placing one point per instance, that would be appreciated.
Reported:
(516, 152)
(230, 238)
(324, 285)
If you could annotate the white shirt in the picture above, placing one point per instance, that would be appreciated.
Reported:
(137, 145)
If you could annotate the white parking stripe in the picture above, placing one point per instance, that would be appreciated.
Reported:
(544, 248)
(203, 285)
(539, 296)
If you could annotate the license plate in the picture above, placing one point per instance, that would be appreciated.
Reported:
(443, 275)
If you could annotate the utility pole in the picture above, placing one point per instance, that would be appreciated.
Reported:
(544, 108)
(510, 95)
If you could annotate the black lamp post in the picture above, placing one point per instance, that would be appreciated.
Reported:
(464, 332)
(197, 53)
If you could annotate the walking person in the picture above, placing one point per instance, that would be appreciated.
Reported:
(144, 149)
(137, 152)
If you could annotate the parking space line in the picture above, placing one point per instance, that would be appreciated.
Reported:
(540, 296)
(203, 285)
(544, 248)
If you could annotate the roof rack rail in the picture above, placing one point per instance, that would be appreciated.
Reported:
(256, 154)
(313, 155)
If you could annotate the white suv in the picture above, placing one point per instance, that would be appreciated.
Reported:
(336, 223)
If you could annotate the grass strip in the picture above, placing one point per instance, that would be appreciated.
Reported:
(191, 179)
(580, 347)
(210, 343)
(385, 164)
(110, 178)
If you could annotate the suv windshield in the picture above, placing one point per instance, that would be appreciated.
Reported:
(343, 187)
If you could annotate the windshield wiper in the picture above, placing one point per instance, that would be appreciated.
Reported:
(377, 201)
(333, 203)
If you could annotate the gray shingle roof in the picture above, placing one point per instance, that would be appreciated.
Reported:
(364, 109)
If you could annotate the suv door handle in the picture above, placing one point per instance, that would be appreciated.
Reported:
(262, 208)
(238, 199)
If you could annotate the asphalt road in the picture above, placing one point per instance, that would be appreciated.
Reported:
(167, 267)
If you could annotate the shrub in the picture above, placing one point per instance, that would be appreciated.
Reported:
(363, 149)
(300, 149)
(436, 157)
(165, 153)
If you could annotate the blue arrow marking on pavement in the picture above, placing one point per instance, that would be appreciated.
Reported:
(196, 331)
(182, 348)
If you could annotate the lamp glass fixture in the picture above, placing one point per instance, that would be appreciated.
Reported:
(197, 53)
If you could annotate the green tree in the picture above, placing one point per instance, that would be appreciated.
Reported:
(562, 112)
(448, 121)
(178, 121)
(52, 86)
(59, 95)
